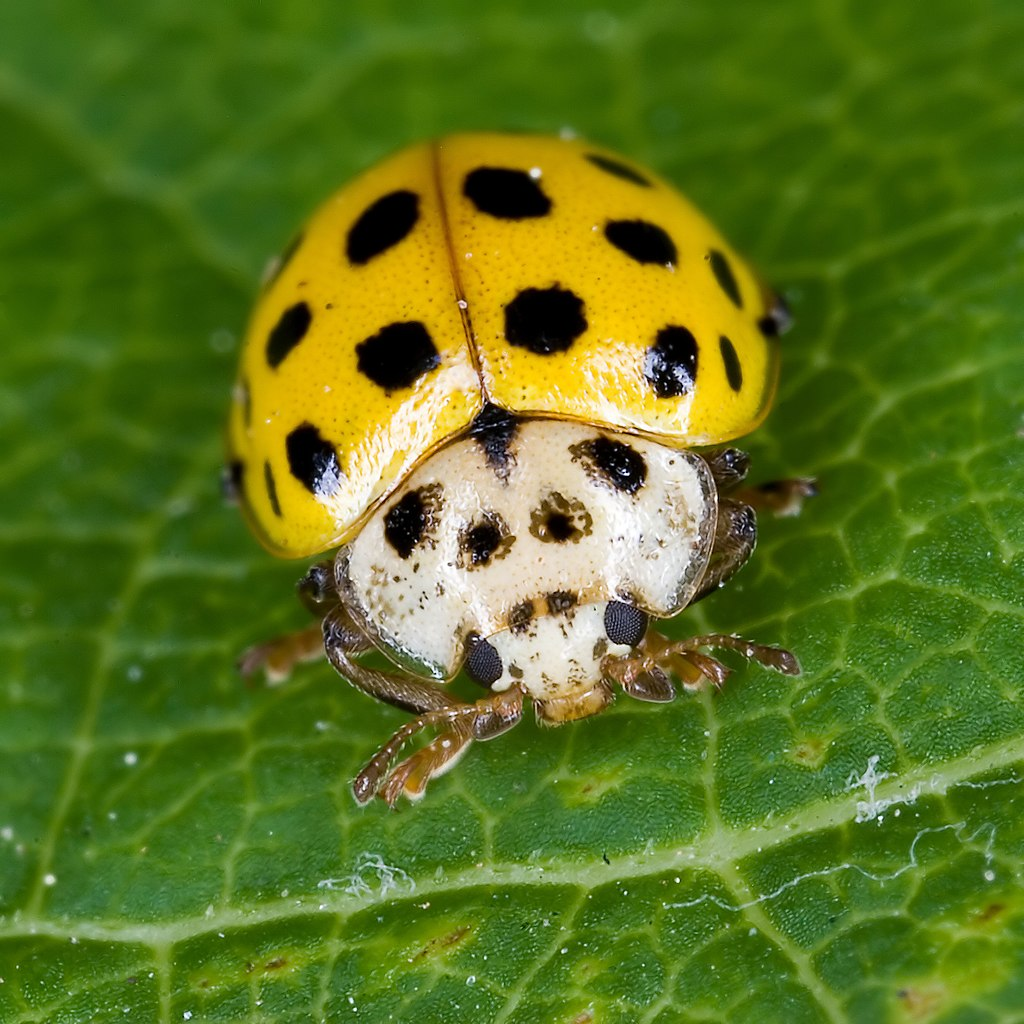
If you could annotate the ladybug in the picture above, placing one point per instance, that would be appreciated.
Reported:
(480, 373)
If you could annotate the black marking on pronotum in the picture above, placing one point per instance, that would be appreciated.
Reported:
(406, 522)
(561, 601)
(493, 429)
(486, 539)
(520, 616)
(482, 541)
(613, 462)
(560, 520)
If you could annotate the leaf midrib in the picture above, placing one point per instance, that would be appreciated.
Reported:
(717, 851)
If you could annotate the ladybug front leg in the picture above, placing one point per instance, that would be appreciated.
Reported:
(647, 673)
(482, 720)
(459, 721)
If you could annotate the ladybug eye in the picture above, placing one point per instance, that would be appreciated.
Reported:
(483, 662)
(624, 623)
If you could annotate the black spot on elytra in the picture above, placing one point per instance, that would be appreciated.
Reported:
(671, 362)
(289, 330)
(271, 486)
(544, 320)
(405, 523)
(520, 617)
(313, 461)
(618, 169)
(777, 320)
(506, 193)
(613, 462)
(483, 663)
(561, 601)
(724, 276)
(381, 225)
(231, 479)
(642, 241)
(624, 623)
(493, 429)
(397, 355)
(733, 370)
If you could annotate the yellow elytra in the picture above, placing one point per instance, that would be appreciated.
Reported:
(545, 276)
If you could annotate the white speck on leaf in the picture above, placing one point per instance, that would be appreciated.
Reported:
(872, 808)
(600, 26)
(388, 878)
(222, 340)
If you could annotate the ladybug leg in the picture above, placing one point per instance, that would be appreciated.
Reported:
(735, 537)
(459, 725)
(647, 673)
(278, 656)
(729, 467)
(460, 722)
(342, 638)
(783, 497)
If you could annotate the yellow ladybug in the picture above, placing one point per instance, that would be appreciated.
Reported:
(479, 372)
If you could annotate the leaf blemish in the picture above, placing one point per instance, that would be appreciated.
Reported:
(442, 942)
(810, 753)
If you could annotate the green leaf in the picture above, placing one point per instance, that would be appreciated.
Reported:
(847, 846)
